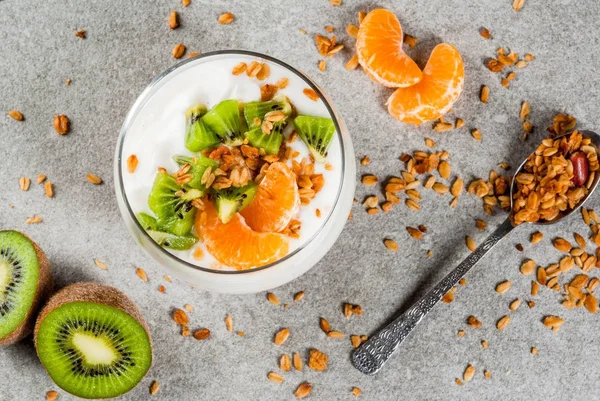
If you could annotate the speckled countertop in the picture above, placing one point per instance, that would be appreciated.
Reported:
(128, 43)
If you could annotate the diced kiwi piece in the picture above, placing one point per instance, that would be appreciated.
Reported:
(93, 341)
(172, 241)
(172, 204)
(197, 166)
(270, 143)
(317, 133)
(147, 222)
(25, 281)
(258, 110)
(231, 200)
(197, 135)
(224, 120)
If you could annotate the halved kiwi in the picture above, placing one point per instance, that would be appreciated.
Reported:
(172, 204)
(197, 166)
(25, 281)
(197, 134)
(93, 341)
(271, 142)
(168, 240)
(224, 120)
(317, 133)
(231, 200)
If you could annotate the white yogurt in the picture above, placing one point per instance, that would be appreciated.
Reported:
(158, 132)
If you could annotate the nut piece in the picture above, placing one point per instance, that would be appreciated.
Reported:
(317, 360)
(275, 377)
(229, 323)
(536, 237)
(469, 373)
(297, 361)
(24, 183)
(391, 245)
(272, 298)
(325, 326)
(562, 245)
(528, 267)
(299, 296)
(554, 322)
(61, 124)
(226, 18)
(154, 387)
(502, 287)
(335, 334)
(174, 20)
(281, 336)
(470, 243)
(284, 363)
(48, 189)
(202, 334)
(485, 94)
(142, 274)
(132, 162)
(178, 50)
(17, 115)
(180, 317)
(51, 395)
(514, 305)
(503, 322)
(94, 179)
(303, 390)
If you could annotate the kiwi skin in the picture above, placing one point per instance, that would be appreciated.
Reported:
(95, 293)
(42, 290)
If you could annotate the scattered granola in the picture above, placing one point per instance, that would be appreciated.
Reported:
(229, 323)
(61, 124)
(173, 20)
(154, 387)
(226, 18)
(305, 388)
(317, 360)
(178, 51)
(24, 183)
(281, 336)
(16, 115)
(141, 274)
(275, 377)
(51, 395)
(100, 264)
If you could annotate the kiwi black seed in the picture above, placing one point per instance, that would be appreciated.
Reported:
(25, 282)
(93, 341)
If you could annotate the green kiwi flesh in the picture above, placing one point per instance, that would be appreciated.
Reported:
(25, 280)
(197, 166)
(165, 239)
(197, 134)
(93, 341)
(271, 142)
(224, 120)
(172, 204)
(317, 133)
(231, 200)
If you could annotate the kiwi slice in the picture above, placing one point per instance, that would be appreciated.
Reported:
(197, 166)
(258, 110)
(93, 341)
(167, 240)
(317, 133)
(197, 135)
(25, 281)
(172, 241)
(231, 200)
(271, 142)
(224, 120)
(172, 204)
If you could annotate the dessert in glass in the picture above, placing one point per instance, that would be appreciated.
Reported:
(234, 172)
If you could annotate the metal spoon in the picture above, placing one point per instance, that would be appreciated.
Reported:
(375, 352)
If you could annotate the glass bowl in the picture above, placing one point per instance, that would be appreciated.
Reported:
(261, 278)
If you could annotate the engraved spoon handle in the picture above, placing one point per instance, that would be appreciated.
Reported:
(374, 353)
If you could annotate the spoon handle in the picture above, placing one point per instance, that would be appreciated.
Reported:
(374, 353)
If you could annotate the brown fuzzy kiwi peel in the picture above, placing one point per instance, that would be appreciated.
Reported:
(42, 291)
(94, 293)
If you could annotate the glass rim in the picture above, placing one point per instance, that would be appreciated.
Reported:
(150, 90)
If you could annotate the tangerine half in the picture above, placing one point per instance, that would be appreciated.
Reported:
(435, 94)
(379, 50)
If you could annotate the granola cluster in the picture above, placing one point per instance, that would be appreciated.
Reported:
(555, 178)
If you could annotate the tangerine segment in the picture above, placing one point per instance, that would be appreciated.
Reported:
(442, 83)
(379, 50)
(235, 244)
(276, 201)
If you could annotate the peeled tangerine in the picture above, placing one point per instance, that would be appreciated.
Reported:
(235, 244)
(379, 51)
(434, 95)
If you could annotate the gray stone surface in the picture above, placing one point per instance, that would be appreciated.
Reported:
(129, 42)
